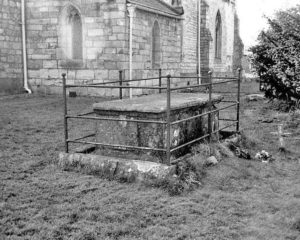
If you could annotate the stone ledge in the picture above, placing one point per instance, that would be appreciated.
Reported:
(157, 103)
(114, 168)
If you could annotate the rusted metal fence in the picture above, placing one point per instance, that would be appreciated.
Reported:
(124, 84)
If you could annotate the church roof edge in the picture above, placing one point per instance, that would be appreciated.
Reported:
(158, 6)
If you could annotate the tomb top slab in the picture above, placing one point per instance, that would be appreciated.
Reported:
(157, 103)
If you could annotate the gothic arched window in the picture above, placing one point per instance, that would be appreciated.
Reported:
(72, 33)
(156, 50)
(218, 37)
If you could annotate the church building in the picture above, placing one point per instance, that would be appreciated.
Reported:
(92, 40)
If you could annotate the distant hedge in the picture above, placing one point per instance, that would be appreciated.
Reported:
(276, 57)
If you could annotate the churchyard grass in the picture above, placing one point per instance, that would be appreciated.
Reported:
(238, 199)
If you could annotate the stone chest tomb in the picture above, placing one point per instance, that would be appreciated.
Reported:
(151, 132)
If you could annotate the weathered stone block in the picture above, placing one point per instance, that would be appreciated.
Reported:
(114, 168)
(95, 32)
(50, 64)
(85, 74)
(101, 75)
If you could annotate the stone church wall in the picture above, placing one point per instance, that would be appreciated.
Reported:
(170, 43)
(105, 26)
(227, 11)
(10, 47)
(231, 42)
(238, 48)
(105, 42)
(103, 45)
(190, 35)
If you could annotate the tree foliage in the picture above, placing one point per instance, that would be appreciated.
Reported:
(276, 57)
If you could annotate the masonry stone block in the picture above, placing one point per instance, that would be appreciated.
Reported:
(101, 74)
(50, 64)
(85, 75)
(113, 75)
(34, 73)
(110, 65)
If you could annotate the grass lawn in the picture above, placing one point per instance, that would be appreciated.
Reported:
(239, 199)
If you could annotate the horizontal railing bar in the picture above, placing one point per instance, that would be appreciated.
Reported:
(229, 106)
(223, 92)
(88, 136)
(125, 81)
(191, 118)
(221, 82)
(115, 119)
(228, 120)
(85, 114)
(227, 101)
(189, 77)
(204, 78)
(202, 114)
(104, 83)
(202, 85)
(190, 86)
(129, 81)
(176, 161)
(198, 139)
(225, 78)
(189, 143)
(124, 87)
(228, 126)
(117, 146)
(143, 79)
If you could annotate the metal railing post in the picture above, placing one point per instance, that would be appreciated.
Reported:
(238, 101)
(65, 113)
(168, 145)
(210, 104)
(121, 83)
(198, 77)
(159, 72)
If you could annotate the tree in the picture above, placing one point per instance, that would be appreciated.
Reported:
(276, 57)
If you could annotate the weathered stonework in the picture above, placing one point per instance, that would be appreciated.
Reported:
(115, 168)
(152, 135)
(101, 41)
(10, 47)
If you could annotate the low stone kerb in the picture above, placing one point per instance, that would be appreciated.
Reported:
(114, 168)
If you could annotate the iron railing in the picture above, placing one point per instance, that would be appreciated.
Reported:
(168, 150)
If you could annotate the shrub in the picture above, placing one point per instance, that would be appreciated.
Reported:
(276, 58)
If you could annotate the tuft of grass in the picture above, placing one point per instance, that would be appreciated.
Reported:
(204, 150)
(86, 236)
(283, 106)
(250, 139)
(296, 225)
(188, 177)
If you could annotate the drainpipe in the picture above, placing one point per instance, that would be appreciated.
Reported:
(131, 9)
(26, 87)
(199, 42)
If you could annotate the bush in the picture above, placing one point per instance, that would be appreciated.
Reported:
(276, 58)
